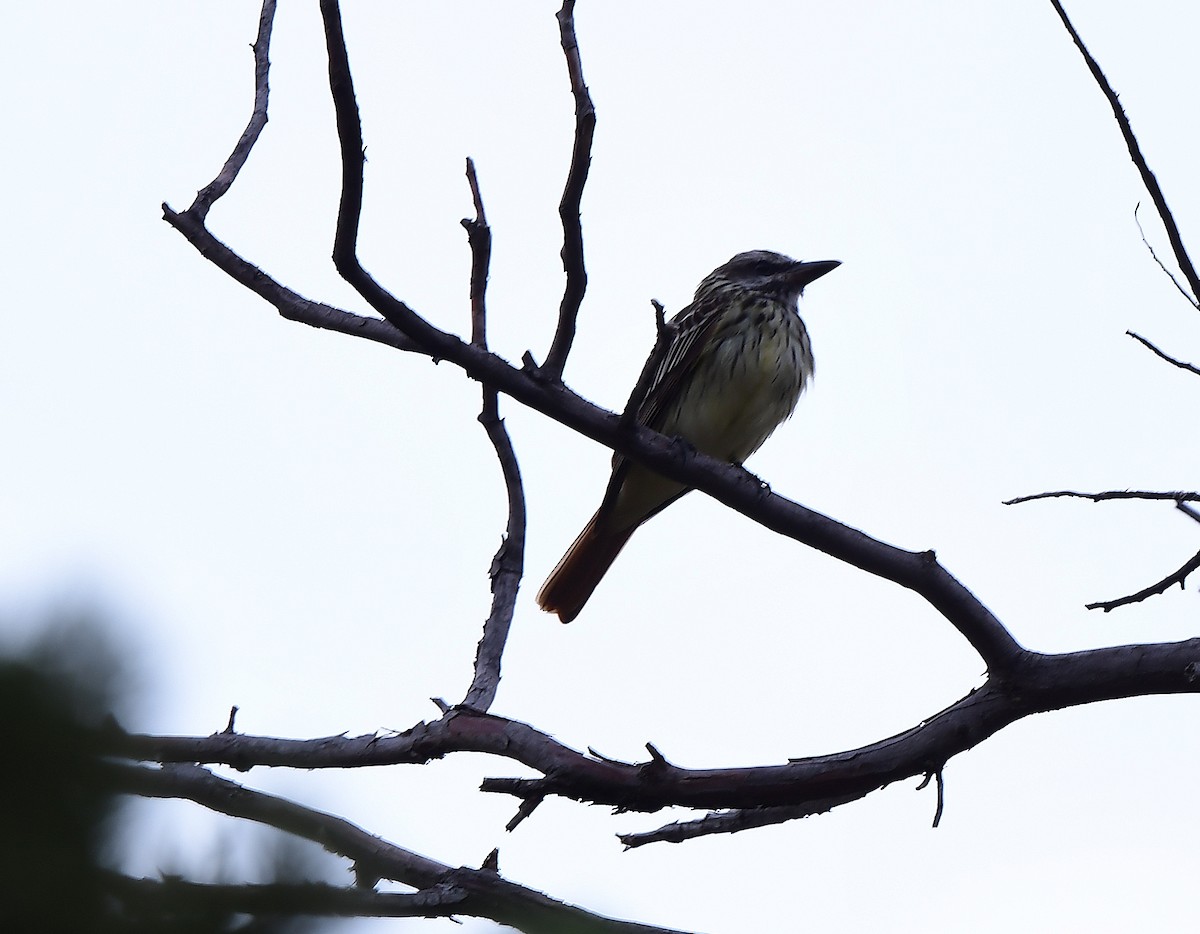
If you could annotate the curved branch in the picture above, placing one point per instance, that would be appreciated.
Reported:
(1177, 577)
(1191, 368)
(572, 196)
(345, 241)
(258, 118)
(1041, 683)
(508, 566)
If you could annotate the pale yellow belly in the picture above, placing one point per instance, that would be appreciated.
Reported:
(747, 384)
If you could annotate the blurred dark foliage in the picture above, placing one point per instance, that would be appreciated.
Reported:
(58, 821)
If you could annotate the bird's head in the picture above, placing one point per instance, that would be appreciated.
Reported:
(766, 272)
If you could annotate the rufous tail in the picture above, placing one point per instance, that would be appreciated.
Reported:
(571, 583)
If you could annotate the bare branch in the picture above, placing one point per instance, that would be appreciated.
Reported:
(258, 119)
(484, 894)
(569, 205)
(282, 899)
(1039, 684)
(345, 243)
(730, 484)
(941, 798)
(732, 822)
(1178, 577)
(1154, 256)
(1171, 360)
(1135, 153)
(1177, 496)
(508, 566)
(479, 236)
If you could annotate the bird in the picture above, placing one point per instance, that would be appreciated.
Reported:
(735, 364)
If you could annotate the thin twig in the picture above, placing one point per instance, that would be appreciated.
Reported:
(1178, 496)
(1171, 360)
(732, 821)
(1188, 511)
(345, 242)
(258, 119)
(1154, 256)
(1178, 577)
(508, 565)
(479, 236)
(570, 204)
(170, 896)
(1135, 153)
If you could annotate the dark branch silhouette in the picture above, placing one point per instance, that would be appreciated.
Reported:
(572, 197)
(475, 892)
(1178, 577)
(1191, 368)
(1020, 682)
(1189, 272)
(508, 566)
(1135, 153)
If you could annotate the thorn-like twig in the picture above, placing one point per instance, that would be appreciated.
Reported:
(527, 807)
(479, 236)
(232, 716)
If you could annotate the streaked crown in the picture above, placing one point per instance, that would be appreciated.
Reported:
(764, 272)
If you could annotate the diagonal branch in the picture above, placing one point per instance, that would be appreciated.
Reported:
(1178, 577)
(258, 119)
(729, 484)
(1154, 256)
(1191, 368)
(572, 196)
(484, 894)
(1135, 153)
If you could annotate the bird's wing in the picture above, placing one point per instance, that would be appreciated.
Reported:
(693, 327)
(691, 330)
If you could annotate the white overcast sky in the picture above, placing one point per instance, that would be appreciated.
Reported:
(301, 524)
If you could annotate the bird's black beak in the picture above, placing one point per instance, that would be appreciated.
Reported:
(801, 274)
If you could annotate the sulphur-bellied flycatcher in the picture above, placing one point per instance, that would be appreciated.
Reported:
(737, 360)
